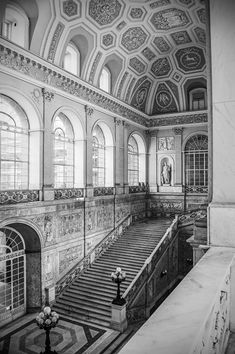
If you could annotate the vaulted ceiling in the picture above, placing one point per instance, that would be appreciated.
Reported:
(156, 49)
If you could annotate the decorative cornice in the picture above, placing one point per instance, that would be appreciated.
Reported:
(191, 118)
(23, 62)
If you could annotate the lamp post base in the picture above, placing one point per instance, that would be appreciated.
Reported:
(119, 320)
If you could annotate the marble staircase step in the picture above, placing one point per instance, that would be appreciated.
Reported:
(89, 297)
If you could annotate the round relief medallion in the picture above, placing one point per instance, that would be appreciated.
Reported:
(163, 99)
(141, 95)
(191, 60)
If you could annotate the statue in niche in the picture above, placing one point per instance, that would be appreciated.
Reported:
(166, 174)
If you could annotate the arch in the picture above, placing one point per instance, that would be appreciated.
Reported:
(194, 84)
(78, 142)
(83, 41)
(71, 61)
(30, 123)
(32, 239)
(102, 155)
(114, 63)
(192, 134)
(63, 149)
(105, 79)
(196, 163)
(136, 159)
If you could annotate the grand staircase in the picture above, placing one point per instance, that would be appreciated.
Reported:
(89, 297)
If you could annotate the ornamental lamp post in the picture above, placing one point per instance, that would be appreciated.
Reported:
(118, 277)
(47, 320)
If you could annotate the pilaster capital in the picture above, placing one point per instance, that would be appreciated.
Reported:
(117, 121)
(89, 110)
(48, 95)
(178, 130)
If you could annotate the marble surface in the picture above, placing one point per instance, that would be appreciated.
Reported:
(222, 224)
(69, 337)
(175, 325)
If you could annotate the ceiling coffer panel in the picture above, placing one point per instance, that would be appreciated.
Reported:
(162, 44)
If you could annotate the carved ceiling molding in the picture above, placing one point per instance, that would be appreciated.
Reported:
(39, 70)
(192, 118)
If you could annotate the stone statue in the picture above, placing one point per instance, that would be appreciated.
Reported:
(166, 174)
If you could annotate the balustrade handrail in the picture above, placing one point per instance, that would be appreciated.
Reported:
(87, 260)
(149, 259)
(192, 215)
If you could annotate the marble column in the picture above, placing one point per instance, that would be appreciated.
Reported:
(222, 207)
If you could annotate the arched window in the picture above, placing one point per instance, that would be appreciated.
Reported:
(12, 273)
(98, 155)
(105, 79)
(14, 142)
(15, 25)
(197, 99)
(63, 152)
(133, 162)
(136, 160)
(71, 60)
(196, 163)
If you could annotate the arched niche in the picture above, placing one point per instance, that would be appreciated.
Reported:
(166, 171)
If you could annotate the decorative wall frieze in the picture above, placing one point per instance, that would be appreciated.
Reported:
(68, 193)
(98, 191)
(39, 69)
(15, 197)
(178, 119)
(141, 188)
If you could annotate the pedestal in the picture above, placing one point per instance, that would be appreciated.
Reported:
(118, 320)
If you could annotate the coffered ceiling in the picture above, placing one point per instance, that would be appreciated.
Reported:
(156, 48)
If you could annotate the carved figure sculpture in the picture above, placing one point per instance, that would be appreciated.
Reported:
(166, 174)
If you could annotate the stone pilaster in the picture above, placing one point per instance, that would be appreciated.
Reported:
(48, 173)
(178, 155)
(88, 155)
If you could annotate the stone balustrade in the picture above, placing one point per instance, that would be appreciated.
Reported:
(198, 315)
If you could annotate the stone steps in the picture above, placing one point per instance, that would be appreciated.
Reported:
(89, 297)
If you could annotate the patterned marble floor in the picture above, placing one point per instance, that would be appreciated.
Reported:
(68, 337)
